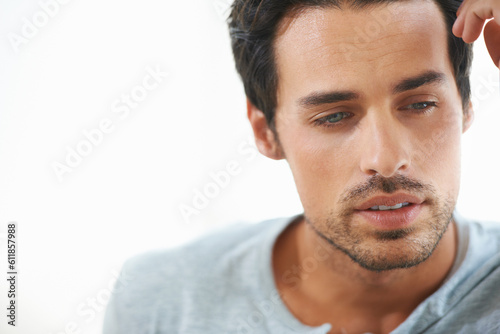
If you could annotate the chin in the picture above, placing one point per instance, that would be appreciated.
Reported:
(381, 250)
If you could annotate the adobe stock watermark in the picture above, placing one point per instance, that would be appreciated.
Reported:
(293, 277)
(30, 27)
(484, 89)
(219, 180)
(87, 310)
(121, 108)
(371, 31)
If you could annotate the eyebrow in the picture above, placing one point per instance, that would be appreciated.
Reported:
(427, 78)
(316, 99)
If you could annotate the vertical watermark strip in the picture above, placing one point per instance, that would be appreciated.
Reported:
(12, 270)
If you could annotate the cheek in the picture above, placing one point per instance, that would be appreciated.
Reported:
(436, 157)
(320, 167)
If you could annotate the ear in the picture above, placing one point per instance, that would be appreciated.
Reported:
(265, 138)
(468, 118)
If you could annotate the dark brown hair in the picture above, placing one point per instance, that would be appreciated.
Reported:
(253, 25)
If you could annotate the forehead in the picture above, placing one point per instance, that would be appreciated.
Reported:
(317, 48)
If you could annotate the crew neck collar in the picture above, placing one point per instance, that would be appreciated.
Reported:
(281, 313)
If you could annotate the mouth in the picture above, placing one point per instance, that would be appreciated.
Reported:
(393, 202)
(385, 208)
(391, 212)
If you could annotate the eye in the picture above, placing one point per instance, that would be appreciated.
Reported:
(332, 119)
(421, 107)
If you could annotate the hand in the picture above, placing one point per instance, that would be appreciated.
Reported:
(470, 20)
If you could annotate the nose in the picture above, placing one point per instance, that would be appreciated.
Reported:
(384, 145)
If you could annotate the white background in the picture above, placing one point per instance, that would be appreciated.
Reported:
(125, 196)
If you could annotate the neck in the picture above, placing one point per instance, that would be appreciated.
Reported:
(329, 276)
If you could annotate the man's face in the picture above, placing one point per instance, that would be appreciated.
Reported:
(368, 109)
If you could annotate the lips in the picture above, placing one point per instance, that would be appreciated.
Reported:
(389, 201)
(387, 218)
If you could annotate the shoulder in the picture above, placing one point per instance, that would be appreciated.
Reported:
(228, 242)
(484, 234)
(479, 276)
(164, 284)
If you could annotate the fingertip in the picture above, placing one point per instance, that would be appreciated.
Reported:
(467, 39)
(457, 27)
(472, 27)
(456, 30)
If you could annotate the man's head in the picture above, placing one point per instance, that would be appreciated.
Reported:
(368, 100)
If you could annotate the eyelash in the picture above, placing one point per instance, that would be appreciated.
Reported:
(324, 120)
(426, 110)
(430, 105)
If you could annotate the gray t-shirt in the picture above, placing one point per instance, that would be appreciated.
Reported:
(223, 283)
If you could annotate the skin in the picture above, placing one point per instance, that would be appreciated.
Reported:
(471, 17)
(380, 135)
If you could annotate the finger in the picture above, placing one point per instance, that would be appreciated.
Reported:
(458, 26)
(482, 9)
(463, 5)
(492, 40)
(473, 25)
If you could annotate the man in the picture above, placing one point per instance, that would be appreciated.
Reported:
(367, 102)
